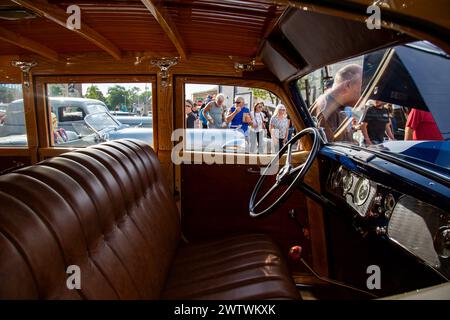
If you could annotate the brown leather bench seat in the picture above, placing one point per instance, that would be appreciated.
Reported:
(108, 210)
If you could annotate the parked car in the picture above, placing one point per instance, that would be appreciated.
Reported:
(86, 122)
(135, 120)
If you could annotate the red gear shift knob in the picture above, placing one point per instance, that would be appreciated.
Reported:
(295, 253)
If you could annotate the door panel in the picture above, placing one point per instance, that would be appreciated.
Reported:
(214, 203)
(10, 163)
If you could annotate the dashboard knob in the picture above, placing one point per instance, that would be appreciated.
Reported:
(442, 242)
(378, 200)
(381, 231)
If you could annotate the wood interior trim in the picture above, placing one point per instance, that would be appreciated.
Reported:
(317, 224)
(59, 16)
(179, 123)
(15, 152)
(100, 63)
(8, 73)
(30, 118)
(165, 124)
(28, 44)
(163, 18)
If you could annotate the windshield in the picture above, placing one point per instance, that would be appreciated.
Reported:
(393, 100)
(101, 121)
(95, 108)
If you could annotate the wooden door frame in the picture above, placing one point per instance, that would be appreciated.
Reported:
(315, 211)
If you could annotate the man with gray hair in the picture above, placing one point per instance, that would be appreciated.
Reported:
(329, 107)
(214, 112)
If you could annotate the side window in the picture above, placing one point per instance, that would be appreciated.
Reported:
(234, 119)
(12, 117)
(70, 113)
(83, 114)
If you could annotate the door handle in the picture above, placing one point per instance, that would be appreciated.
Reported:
(251, 170)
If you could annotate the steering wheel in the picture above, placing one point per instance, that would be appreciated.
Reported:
(287, 173)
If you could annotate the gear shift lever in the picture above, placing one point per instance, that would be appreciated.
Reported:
(295, 254)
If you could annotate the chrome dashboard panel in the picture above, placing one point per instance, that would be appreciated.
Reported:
(366, 197)
(420, 228)
(423, 230)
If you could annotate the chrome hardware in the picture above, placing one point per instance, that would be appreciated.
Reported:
(245, 66)
(164, 64)
(25, 67)
(377, 200)
(388, 214)
(442, 242)
(381, 231)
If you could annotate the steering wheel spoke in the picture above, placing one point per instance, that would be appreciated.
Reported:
(285, 172)
(269, 192)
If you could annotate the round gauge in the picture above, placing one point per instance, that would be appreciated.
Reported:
(362, 191)
(389, 202)
(347, 180)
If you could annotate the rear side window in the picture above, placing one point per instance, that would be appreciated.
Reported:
(83, 114)
(12, 118)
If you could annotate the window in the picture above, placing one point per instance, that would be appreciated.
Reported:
(12, 117)
(68, 113)
(83, 114)
(234, 119)
(393, 100)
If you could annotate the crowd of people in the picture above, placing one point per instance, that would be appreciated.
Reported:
(258, 125)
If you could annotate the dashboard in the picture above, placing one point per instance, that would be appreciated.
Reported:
(420, 228)
(368, 198)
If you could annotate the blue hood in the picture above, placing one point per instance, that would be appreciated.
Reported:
(434, 152)
(145, 134)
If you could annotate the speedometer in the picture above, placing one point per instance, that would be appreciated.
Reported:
(362, 191)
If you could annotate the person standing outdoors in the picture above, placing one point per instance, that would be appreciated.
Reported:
(239, 116)
(279, 126)
(329, 108)
(421, 126)
(190, 114)
(214, 112)
(375, 123)
(257, 128)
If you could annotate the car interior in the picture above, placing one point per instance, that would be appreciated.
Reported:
(145, 206)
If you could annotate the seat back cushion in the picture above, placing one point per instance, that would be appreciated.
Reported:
(106, 209)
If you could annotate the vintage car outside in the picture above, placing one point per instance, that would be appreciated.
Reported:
(85, 121)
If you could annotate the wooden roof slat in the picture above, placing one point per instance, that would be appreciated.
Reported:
(165, 21)
(28, 44)
(59, 16)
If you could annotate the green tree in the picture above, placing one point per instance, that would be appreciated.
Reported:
(93, 92)
(264, 95)
(117, 96)
(6, 95)
(55, 90)
(145, 96)
(133, 95)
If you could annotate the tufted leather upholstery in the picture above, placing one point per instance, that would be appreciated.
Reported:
(108, 210)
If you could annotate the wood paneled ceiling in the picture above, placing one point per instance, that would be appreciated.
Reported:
(169, 27)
